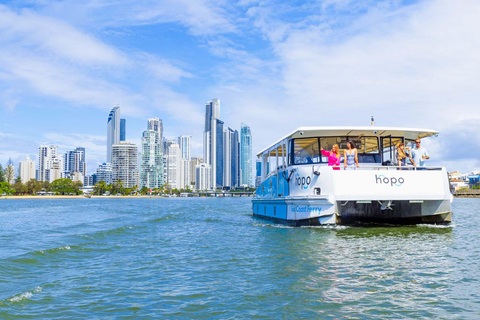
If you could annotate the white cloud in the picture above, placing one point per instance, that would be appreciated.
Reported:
(57, 60)
(30, 30)
(408, 66)
(200, 17)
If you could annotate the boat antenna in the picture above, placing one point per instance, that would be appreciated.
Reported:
(372, 121)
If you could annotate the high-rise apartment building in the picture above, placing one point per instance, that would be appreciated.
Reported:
(104, 173)
(113, 131)
(194, 161)
(230, 158)
(156, 125)
(246, 167)
(213, 142)
(217, 166)
(123, 130)
(26, 170)
(184, 143)
(151, 169)
(74, 161)
(185, 168)
(173, 166)
(50, 165)
(124, 164)
(184, 174)
(203, 176)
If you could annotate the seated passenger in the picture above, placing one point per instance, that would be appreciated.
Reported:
(333, 157)
(403, 155)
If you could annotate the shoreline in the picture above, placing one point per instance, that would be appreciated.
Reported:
(76, 197)
(106, 197)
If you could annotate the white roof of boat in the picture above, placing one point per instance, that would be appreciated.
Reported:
(330, 131)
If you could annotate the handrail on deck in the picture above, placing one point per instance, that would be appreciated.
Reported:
(397, 168)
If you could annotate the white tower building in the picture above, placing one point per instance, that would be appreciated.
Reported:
(113, 131)
(184, 143)
(50, 165)
(212, 146)
(203, 175)
(26, 170)
(173, 166)
(124, 164)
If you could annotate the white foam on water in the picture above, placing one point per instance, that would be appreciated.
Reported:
(65, 248)
(26, 295)
(328, 227)
(438, 226)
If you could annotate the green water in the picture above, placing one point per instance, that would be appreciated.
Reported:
(209, 258)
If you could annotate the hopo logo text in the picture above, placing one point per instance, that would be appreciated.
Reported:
(392, 181)
(304, 182)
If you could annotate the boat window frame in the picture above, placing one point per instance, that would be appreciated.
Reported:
(376, 156)
(292, 151)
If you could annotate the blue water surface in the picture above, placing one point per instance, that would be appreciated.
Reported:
(206, 258)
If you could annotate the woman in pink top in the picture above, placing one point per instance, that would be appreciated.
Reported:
(333, 157)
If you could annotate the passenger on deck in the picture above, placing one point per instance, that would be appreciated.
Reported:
(419, 154)
(403, 155)
(350, 156)
(333, 157)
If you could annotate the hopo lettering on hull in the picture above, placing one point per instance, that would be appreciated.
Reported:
(392, 181)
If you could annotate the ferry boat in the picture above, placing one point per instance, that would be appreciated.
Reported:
(299, 188)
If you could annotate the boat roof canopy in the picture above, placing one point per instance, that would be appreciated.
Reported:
(370, 131)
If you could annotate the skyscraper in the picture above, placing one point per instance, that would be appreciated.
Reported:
(213, 142)
(124, 164)
(236, 160)
(185, 168)
(246, 156)
(173, 166)
(203, 177)
(156, 125)
(217, 169)
(123, 130)
(230, 158)
(184, 143)
(104, 173)
(50, 165)
(113, 131)
(26, 170)
(151, 169)
(74, 161)
(194, 161)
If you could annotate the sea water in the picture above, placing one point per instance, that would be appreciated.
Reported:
(203, 258)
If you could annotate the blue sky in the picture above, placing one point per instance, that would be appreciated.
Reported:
(275, 65)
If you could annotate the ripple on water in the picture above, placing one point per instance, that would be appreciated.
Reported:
(209, 258)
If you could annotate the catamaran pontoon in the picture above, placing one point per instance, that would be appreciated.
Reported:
(297, 186)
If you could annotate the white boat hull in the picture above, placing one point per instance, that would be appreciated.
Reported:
(320, 195)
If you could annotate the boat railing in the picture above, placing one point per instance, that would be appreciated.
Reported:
(397, 168)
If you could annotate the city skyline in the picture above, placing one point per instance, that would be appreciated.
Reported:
(65, 64)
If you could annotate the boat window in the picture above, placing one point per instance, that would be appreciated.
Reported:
(328, 142)
(389, 149)
(306, 151)
(368, 150)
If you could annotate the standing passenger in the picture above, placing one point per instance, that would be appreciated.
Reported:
(350, 156)
(403, 155)
(333, 157)
(419, 154)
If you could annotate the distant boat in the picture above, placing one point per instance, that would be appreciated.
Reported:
(88, 196)
(299, 188)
